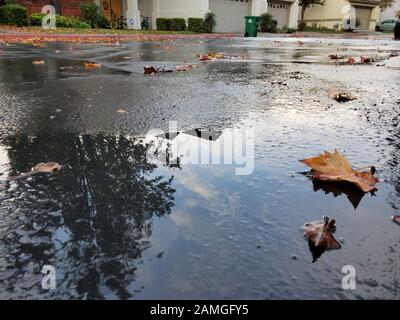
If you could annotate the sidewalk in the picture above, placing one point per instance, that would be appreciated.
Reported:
(363, 35)
(23, 37)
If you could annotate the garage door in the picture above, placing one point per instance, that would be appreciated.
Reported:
(364, 16)
(230, 14)
(280, 12)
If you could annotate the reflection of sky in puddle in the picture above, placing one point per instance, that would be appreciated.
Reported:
(3, 159)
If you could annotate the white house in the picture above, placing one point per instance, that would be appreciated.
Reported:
(230, 13)
(390, 13)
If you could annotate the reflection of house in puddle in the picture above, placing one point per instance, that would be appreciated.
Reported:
(206, 134)
(206, 146)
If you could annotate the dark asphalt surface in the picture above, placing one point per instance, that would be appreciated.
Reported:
(116, 224)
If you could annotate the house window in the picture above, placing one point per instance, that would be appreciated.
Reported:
(278, 6)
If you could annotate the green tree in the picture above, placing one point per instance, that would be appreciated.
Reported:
(209, 22)
(304, 4)
(386, 3)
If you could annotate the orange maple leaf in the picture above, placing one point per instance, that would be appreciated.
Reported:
(40, 167)
(340, 96)
(335, 167)
(92, 65)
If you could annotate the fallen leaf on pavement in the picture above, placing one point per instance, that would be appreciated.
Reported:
(319, 234)
(210, 56)
(185, 67)
(340, 96)
(396, 219)
(204, 57)
(278, 82)
(121, 111)
(335, 57)
(46, 167)
(335, 167)
(244, 56)
(150, 70)
(38, 62)
(365, 60)
(40, 167)
(92, 65)
(351, 61)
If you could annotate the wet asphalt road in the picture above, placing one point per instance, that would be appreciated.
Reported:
(116, 224)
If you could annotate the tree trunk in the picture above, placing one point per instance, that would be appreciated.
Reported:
(303, 11)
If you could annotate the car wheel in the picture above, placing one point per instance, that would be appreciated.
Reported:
(377, 28)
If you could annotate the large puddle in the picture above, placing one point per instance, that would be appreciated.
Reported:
(119, 220)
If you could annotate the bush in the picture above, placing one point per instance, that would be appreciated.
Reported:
(301, 26)
(162, 23)
(70, 22)
(210, 21)
(286, 29)
(102, 22)
(91, 15)
(82, 25)
(13, 14)
(177, 24)
(36, 19)
(268, 24)
(195, 24)
(61, 21)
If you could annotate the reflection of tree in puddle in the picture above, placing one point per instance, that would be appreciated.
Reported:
(338, 188)
(91, 221)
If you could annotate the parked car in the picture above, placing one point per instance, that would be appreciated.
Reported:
(386, 25)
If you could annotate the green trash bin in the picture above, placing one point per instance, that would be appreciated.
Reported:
(252, 23)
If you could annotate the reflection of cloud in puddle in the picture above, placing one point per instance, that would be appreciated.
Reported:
(4, 161)
(3, 156)
(181, 219)
(192, 181)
